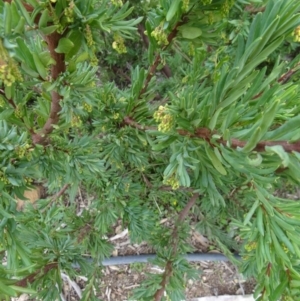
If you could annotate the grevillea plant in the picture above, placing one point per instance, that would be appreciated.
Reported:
(178, 109)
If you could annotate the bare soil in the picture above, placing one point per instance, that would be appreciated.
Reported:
(118, 282)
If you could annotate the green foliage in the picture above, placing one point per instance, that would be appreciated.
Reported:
(197, 109)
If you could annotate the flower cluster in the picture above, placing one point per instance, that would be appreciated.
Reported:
(251, 246)
(172, 181)
(56, 20)
(87, 107)
(69, 12)
(91, 44)
(89, 36)
(206, 2)
(127, 186)
(91, 84)
(3, 178)
(118, 44)
(185, 5)
(93, 59)
(210, 18)
(22, 150)
(164, 118)
(296, 34)
(174, 202)
(116, 116)
(76, 121)
(226, 7)
(185, 79)
(285, 249)
(191, 49)
(287, 298)
(2, 102)
(160, 36)
(18, 112)
(9, 72)
(28, 180)
(117, 3)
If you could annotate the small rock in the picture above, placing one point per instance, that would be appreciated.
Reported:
(118, 229)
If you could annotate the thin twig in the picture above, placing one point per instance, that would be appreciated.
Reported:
(60, 193)
(12, 103)
(166, 70)
(56, 196)
(169, 266)
(157, 60)
(129, 121)
(39, 273)
(285, 77)
(282, 80)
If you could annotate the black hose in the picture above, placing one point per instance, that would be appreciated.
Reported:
(196, 257)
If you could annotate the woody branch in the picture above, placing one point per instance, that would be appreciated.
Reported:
(56, 69)
(206, 134)
(169, 266)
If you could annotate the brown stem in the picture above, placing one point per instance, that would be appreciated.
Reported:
(157, 60)
(169, 266)
(129, 121)
(141, 31)
(28, 7)
(184, 212)
(56, 69)
(206, 134)
(166, 276)
(253, 10)
(166, 70)
(56, 196)
(260, 147)
(32, 277)
(283, 79)
(13, 104)
(60, 193)
(10, 101)
(181, 188)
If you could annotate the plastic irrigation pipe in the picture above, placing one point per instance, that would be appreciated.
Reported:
(119, 260)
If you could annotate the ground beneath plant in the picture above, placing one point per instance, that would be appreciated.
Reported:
(118, 282)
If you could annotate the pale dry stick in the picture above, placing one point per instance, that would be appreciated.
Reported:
(120, 235)
(239, 280)
(108, 292)
(131, 286)
(227, 267)
(72, 283)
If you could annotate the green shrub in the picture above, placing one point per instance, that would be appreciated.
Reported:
(155, 108)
